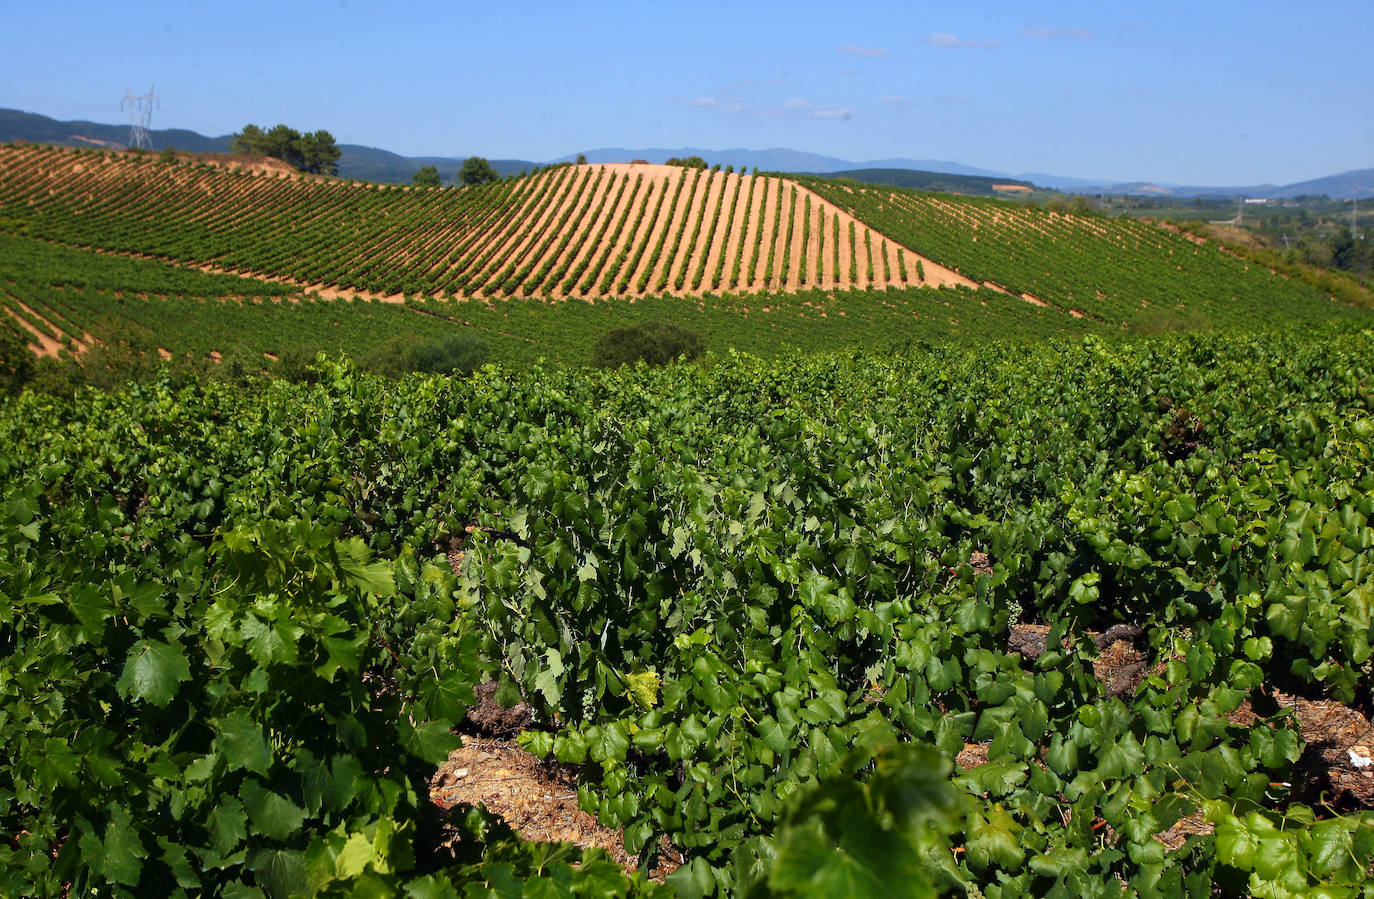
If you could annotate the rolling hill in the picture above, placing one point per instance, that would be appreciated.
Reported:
(587, 231)
(355, 161)
(773, 264)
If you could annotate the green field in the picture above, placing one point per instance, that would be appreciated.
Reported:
(1117, 270)
(1079, 273)
(1024, 588)
(234, 647)
(154, 304)
(1087, 275)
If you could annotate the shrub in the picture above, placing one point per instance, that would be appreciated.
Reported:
(237, 365)
(16, 361)
(294, 364)
(454, 354)
(654, 343)
(400, 355)
(691, 162)
(59, 377)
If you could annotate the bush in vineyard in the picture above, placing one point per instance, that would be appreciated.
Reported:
(16, 360)
(655, 343)
(690, 162)
(402, 354)
(295, 363)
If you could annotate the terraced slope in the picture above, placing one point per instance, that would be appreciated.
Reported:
(584, 231)
(1120, 271)
(639, 231)
(71, 299)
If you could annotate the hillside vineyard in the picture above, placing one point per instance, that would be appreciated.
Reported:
(635, 231)
(998, 597)
(570, 231)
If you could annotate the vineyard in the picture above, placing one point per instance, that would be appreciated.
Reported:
(938, 575)
(100, 247)
(963, 622)
(62, 297)
(569, 231)
(1120, 271)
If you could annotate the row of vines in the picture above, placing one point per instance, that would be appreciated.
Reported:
(71, 299)
(569, 231)
(759, 607)
(1120, 271)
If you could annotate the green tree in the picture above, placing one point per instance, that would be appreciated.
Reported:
(16, 360)
(428, 176)
(477, 170)
(455, 354)
(581, 158)
(316, 153)
(283, 143)
(319, 153)
(250, 140)
(655, 343)
(691, 162)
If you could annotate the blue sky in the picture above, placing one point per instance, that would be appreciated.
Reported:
(1222, 93)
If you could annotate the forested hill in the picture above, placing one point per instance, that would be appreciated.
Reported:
(355, 160)
(39, 129)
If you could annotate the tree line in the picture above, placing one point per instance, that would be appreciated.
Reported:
(475, 170)
(315, 153)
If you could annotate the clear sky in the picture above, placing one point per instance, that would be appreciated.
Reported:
(1217, 93)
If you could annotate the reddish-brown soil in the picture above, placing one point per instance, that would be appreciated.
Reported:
(538, 800)
(40, 343)
(1337, 736)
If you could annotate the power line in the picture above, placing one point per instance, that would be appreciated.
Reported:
(140, 117)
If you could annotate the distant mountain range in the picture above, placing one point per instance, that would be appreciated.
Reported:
(779, 159)
(373, 164)
(1359, 183)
